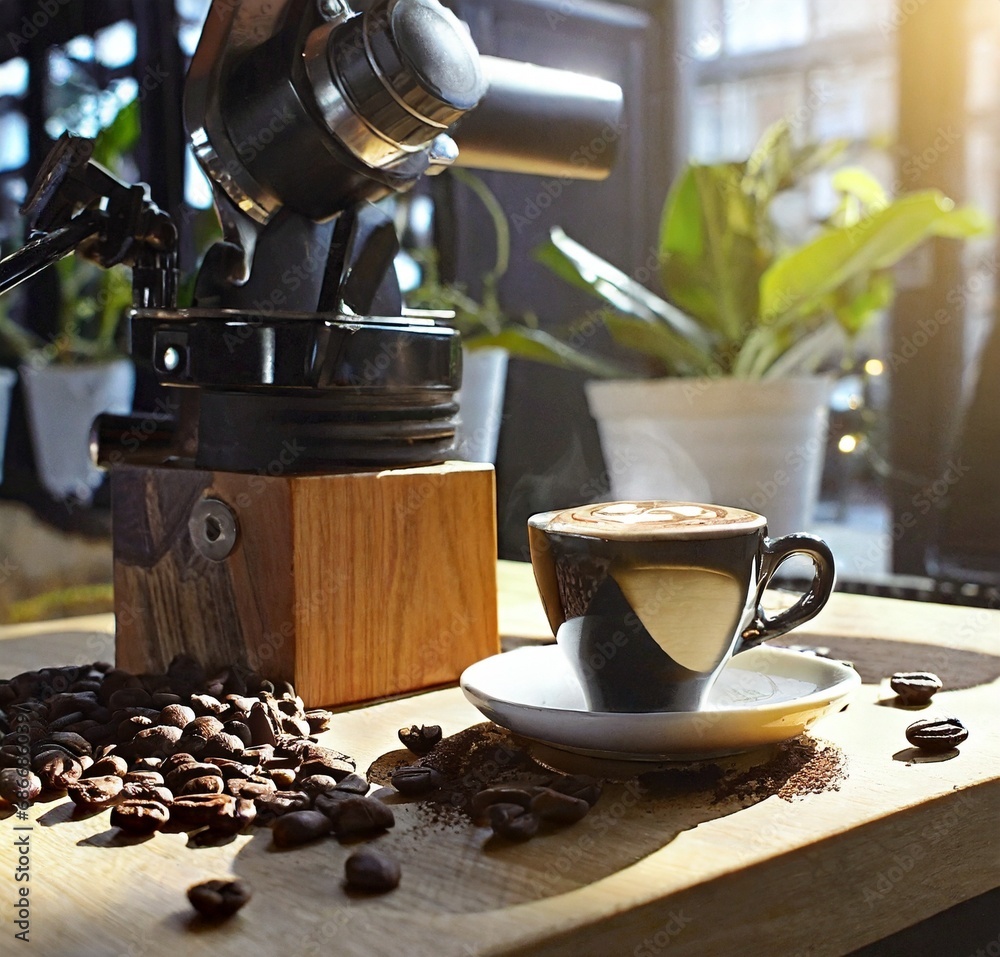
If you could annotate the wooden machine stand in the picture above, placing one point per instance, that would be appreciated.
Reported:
(352, 586)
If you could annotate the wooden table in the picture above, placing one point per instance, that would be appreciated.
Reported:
(822, 874)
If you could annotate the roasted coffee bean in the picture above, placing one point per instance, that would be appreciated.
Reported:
(319, 720)
(201, 810)
(139, 817)
(158, 740)
(420, 740)
(179, 776)
(130, 698)
(279, 803)
(500, 795)
(57, 770)
(292, 724)
(353, 784)
(205, 784)
(219, 899)
(239, 730)
(316, 784)
(205, 726)
(143, 777)
(148, 764)
(139, 791)
(67, 721)
(937, 734)
(558, 808)
(335, 759)
(232, 768)
(177, 716)
(67, 703)
(242, 815)
(283, 778)
(164, 699)
(416, 780)
(355, 816)
(222, 745)
(242, 788)
(109, 764)
(579, 786)
(513, 822)
(300, 827)
(94, 793)
(73, 743)
(176, 760)
(261, 726)
(329, 802)
(18, 785)
(915, 687)
(128, 728)
(371, 871)
(206, 704)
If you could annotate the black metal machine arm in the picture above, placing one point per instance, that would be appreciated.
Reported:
(76, 205)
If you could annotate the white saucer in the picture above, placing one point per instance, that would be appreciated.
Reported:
(763, 696)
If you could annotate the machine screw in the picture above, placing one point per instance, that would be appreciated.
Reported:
(213, 529)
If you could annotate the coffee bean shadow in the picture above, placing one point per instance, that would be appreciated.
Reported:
(894, 702)
(875, 660)
(451, 865)
(916, 756)
(114, 837)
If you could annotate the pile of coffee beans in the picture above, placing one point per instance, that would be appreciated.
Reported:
(213, 754)
(185, 750)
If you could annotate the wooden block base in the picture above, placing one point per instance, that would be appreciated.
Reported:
(352, 586)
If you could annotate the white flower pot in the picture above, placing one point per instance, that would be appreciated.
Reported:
(62, 403)
(484, 378)
(7, 380)
(754, 444)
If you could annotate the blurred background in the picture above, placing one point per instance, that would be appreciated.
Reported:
(911, 481)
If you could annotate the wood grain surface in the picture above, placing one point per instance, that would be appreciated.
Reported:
(646, 873)
(352, 586)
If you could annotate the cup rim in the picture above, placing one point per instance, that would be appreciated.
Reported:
(744, 522)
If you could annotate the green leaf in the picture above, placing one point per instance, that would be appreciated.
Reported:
(798, 283)
(540, 346)
(709, 249)
(587, 271)
(118, 137)
(679, 355)
(858, 182)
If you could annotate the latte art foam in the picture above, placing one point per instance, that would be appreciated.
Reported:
(650, 520)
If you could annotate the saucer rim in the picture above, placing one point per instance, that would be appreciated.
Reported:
(847, 677)
(658, 735)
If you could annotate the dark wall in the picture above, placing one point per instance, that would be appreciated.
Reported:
(549, 453)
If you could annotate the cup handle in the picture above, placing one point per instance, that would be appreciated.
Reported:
(809, 605)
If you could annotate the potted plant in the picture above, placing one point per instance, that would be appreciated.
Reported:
(730, 406)
(81, 372)
(489, 334)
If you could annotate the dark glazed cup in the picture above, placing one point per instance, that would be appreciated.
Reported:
(649, 600)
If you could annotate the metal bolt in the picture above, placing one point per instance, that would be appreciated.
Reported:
(213, 529)
(334, 9)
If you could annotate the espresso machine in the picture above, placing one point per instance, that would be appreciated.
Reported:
(301, 517)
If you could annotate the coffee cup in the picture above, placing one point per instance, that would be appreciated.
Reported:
(649, 600)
